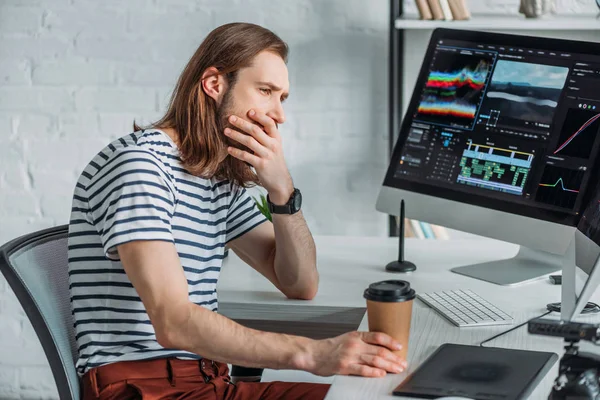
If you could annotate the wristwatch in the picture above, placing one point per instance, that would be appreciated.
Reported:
(291, 207)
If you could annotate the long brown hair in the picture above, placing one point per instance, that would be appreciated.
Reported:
(195, 116)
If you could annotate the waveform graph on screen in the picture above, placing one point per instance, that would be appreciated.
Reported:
(578, 133)
(559, 186)
(454, 89)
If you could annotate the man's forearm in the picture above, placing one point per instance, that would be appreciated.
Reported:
(216, 337)
(295, 260)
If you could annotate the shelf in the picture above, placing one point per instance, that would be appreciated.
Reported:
(504, 23)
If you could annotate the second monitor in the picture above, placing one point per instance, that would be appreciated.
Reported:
(500, 140)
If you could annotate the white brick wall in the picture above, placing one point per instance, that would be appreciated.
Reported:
(75, 73)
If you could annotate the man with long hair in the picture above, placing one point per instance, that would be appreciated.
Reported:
(152, 214)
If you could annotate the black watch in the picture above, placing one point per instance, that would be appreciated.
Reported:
(291, 207)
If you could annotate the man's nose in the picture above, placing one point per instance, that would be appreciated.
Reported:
(277, 114)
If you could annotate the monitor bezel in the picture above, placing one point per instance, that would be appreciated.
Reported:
(533, 211)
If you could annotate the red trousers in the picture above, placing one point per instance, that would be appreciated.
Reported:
(171, 378)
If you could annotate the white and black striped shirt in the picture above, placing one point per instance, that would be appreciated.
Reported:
(136, 188)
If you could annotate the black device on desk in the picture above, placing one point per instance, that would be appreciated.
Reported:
(478, 373)
(578, 371)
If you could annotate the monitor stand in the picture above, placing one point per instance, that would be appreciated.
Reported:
(528, 265)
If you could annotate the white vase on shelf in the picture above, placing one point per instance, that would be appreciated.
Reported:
(537, 8)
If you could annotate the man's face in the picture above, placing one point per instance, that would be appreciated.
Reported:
(261, 87)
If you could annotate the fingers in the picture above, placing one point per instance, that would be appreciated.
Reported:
(250, 129)
(246, 140)
(382, 345)
(381, 339)
(267, 122)
(244, 156)
(382, 363)
(386, 354)
(365, 370)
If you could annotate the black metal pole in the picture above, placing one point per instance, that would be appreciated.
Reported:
(396, 54)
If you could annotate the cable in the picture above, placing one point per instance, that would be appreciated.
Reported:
(512, 329)
(590, 308)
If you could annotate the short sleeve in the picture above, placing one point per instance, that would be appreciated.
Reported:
(131, 198)
(243, 214)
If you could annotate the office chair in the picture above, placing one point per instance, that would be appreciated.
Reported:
(35, 267)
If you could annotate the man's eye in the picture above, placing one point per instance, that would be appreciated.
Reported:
(265, 90)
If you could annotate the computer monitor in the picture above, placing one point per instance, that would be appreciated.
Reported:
(500, 139)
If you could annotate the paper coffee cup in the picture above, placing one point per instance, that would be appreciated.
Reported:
(389, 310)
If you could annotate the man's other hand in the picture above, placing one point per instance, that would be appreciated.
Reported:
(355, 353)
(268, 159)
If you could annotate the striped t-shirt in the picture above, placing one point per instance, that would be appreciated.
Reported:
(136, 188)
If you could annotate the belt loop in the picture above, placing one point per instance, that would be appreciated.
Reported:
(170, 372)
(94, 383)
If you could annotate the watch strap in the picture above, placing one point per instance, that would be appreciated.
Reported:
(279, 209)
(287, 208)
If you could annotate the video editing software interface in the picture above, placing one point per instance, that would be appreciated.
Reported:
(519, 124)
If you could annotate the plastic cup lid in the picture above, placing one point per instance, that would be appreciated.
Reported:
(389, 291)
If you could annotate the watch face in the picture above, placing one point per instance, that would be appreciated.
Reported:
(298, 197)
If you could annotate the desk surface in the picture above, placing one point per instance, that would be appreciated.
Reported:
(347, 265)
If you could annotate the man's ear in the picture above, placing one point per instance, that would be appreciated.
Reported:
(214, 84)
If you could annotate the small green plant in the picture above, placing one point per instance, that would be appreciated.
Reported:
(263, 206)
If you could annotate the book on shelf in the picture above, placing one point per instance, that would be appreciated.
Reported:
(436, 9)
(416, 227)
(424, 10)
(446, 10)
(408, 230)
(424, 230)
(460, 10)
(440, 232)
(443, 9)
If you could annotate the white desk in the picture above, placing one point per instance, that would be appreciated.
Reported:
(347, 265)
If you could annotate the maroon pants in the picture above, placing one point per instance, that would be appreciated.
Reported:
(171, 378)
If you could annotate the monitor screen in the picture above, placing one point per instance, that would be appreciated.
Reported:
(505, 122)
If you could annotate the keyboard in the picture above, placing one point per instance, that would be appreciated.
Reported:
(465, 308)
